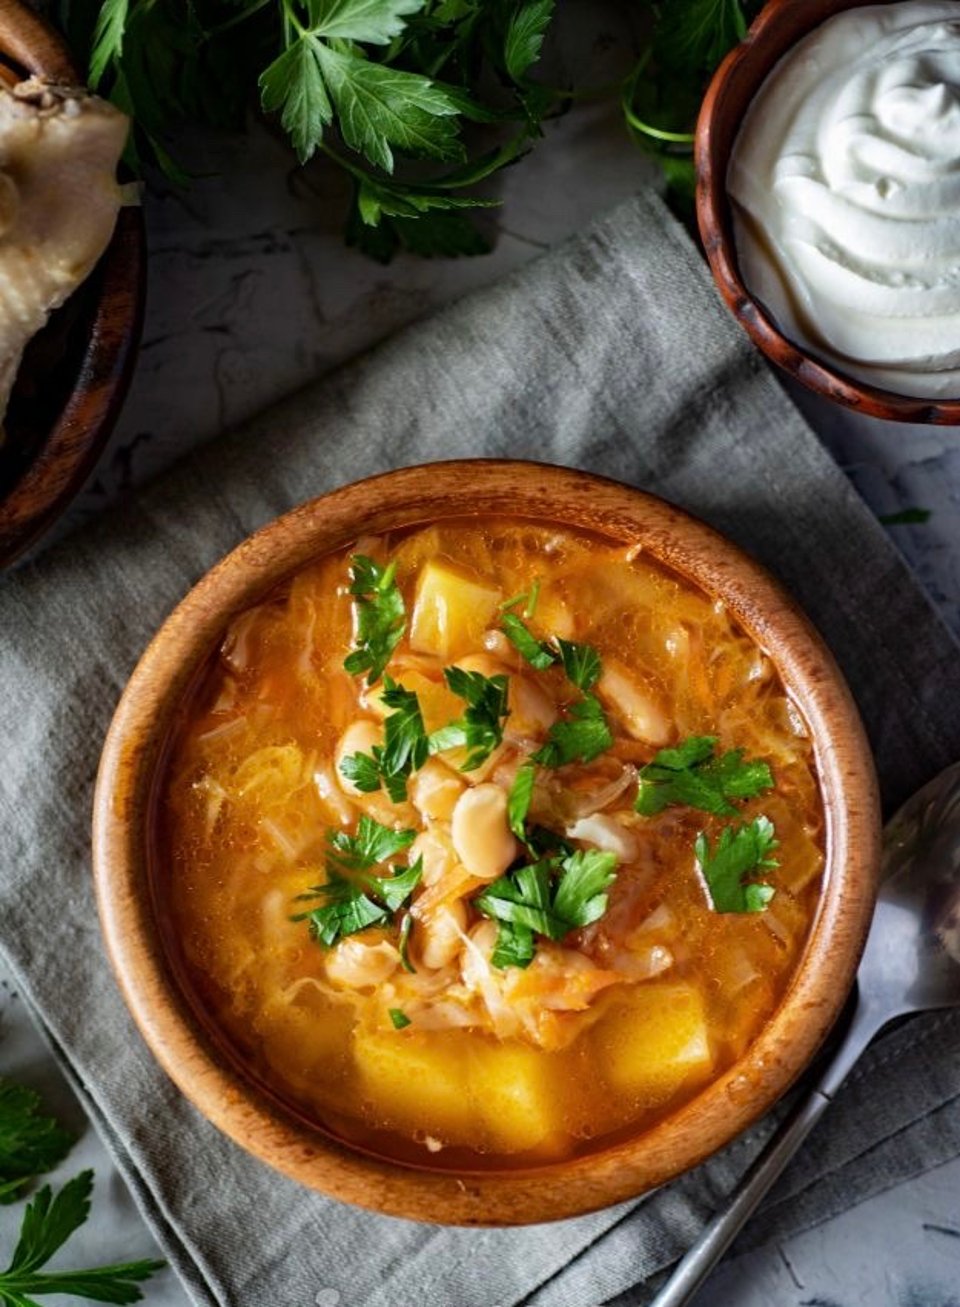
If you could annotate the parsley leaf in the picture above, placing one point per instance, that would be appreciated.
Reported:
(692, 775)
(398, 1018)
(372, 843)
(528, 901)
(524, 37)
(580, 737)
(293, 86)
(536, 652)
(375, 21)
(380, 617)
(518, 800)
(739, 852)
(403, 944)
(380, 107)
(30, 1142)
(906, 517)
(581, 662)
(405, 747)
(48, 1223)
(352, 903)
(107, 39)
(480, 729)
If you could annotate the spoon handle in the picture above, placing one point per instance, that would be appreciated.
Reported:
(703, 1256)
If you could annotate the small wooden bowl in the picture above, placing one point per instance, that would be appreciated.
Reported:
(75, 371)
(780, 25)
(129, 883)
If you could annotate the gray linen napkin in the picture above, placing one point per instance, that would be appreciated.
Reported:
(613, 354)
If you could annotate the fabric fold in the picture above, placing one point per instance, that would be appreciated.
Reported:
(612, 353)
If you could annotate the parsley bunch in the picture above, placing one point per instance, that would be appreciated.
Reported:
(31, 1143)
(417, 101)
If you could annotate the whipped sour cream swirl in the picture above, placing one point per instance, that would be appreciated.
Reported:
(845, 179)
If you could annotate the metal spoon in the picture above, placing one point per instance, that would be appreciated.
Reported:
(911, 963)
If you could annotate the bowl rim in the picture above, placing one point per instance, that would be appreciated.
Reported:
(132, 760)
(748, 60)
(76, 439)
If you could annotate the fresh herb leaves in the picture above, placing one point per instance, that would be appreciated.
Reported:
(550, 897)
(693, 775)
(537, 652)
(579, 737)
(30, 1142)
(581, 662)
(398, 1018)
(353, 899)
(380, 617)
(519, 798)
(739, 852)
(480, 729)
(906, 517)
(372, 843)
(48, 1223)
(405, 746)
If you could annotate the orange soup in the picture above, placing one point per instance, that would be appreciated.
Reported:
(488, 841)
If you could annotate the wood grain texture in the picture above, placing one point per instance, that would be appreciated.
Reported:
(130, 883)
(75, 372)
(780, 25)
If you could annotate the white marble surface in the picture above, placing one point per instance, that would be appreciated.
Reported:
(252, 294)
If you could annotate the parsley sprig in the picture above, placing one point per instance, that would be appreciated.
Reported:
(405, 746)
(741, 851)
(380, 617)
(480, 729)
(30, 1141)
(371, 83)
(352, 897)
(693, 775)
(48, 1222)
(550, 897)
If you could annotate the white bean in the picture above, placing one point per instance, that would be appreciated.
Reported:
(434, 847)
(481, 834)
(636, 707)
(440, 937)
(434, 790)
(359, 737)
(531, 708)
(357, 964)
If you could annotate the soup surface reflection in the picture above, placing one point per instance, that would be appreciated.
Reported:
(529, 871)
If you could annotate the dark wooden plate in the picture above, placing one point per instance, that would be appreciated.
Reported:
(75, 372)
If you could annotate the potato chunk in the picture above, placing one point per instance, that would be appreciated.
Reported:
(656, 1042)
(516, 1097)
(450, 612)
(417, 1081)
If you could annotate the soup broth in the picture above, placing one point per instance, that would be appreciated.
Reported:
(530, 871)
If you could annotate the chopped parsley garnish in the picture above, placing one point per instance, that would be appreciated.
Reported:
(399, 1018)
(550, 897)
(529, 599)
(480, 729)
(581, 662)
(579, 737)
(403, 943)
(372, 843)
(353, 899)
(536, 652)
(694, 776)
(48, 1223)
(906, 517)
(30, 1142)
(380, 617)
(404, 747)
(740, 851)
(518, 800)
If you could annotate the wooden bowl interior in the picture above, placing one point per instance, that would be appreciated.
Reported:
(211, 1071)
(780, 25)
(73, 374)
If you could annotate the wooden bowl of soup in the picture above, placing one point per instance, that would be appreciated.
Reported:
(485, 843)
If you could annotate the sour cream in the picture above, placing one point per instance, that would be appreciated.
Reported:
(845, 179)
